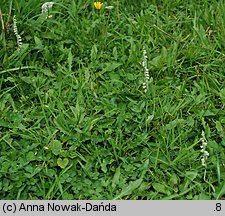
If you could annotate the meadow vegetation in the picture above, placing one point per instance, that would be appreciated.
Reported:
(75, 120)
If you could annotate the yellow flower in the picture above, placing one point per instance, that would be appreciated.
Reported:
(98, 5)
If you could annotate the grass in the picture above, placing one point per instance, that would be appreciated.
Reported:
(75, 122)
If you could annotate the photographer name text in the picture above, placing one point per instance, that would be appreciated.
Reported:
(53, 207)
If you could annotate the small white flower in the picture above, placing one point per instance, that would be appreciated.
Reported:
(109, 7)
(206, 153)
(203, 162)
(204, 143)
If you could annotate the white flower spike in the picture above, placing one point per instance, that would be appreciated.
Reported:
(15, 30)
(146, 72)
(46, 7)
(205, 153)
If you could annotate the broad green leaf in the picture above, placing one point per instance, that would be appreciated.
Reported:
(149, 119)
(48, 72)
(130, 76)
(62, 163)
(28, 79)
(209, 113)
(220, 191)
(38, 43)
(219, 127)
(94, 52)
(173, 179)
(67, 196)
(56, 147)
(114, 76)
(130, 188)
(62, 125)
(191, 175)
(116, 177)
(138, 107)
(111, 66)
(30, 156)
(160, 188)
(33, 173)
(145, 167)
(115, 53)
(103, 166)
(156, 61)
(222, 95)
